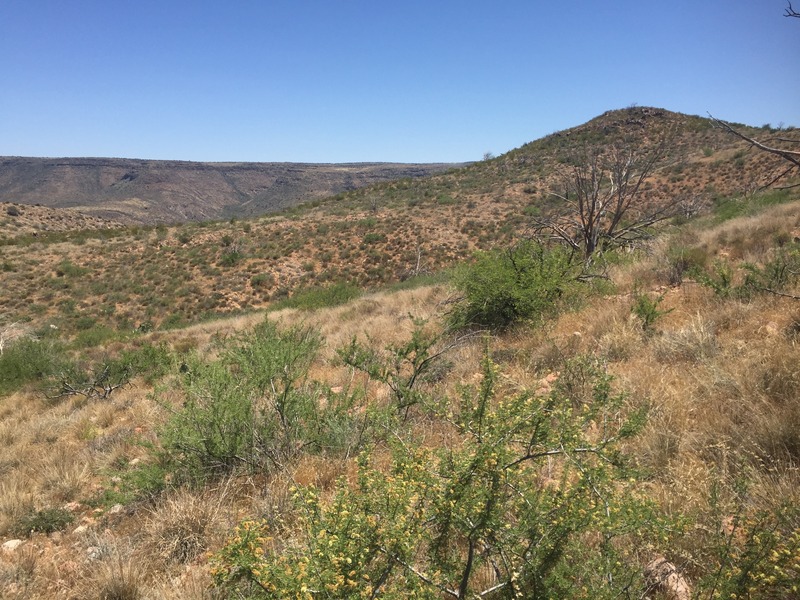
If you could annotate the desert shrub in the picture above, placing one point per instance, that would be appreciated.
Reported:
(719, 278)
(682, 260)
(523, 283)
(314, 298)
(230, 257)
(253, 408)
(748, 551)
(46, 520)
(646, 310)
(531, 500)
(400, 367)
(93, 335)
(150, 361)
(28, 361)
(67, 269)
(729, 208)
(262, 280)
(777, 273)
(374, 238)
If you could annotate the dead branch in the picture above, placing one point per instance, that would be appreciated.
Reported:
(101, 386)
(793, 156)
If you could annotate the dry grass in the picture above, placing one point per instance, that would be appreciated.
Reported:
(183, 524)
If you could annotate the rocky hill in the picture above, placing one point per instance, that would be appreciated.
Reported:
(151, 191)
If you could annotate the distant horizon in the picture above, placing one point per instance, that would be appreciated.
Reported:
(370, 162)
(335, 83)
(235, 162)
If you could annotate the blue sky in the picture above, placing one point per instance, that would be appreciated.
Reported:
(373, 80)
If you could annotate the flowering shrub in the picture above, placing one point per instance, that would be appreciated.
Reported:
(531, 499)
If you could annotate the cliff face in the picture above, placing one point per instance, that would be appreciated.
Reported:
(147, 191)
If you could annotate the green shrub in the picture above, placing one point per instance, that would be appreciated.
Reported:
(93, 336)
(729, 208)
(523, 283)
(28, 361)
(253, 408)
(318, 297)
(262, 280)
(646, 309)
(230, 257)
(719, 278)
(67, 269)
(778, 273)
(401, 367)
(683, 260)
(529, 501)
(374, 238)
(47, 520)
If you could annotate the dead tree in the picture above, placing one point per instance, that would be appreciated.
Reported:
(603, 204)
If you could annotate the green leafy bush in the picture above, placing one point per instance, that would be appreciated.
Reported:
(262, 280)
(531, 500)
(646, 309)
(778, 273)
(401, 367)
(719, 278)
(523, 283)
(253, 408)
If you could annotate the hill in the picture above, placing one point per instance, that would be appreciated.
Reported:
(149, 191)
(365, 237)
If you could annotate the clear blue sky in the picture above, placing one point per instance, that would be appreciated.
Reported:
(374, 80)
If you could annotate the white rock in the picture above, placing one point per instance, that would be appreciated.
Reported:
(11, 545)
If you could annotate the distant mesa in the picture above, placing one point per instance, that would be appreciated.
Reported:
(150, 191)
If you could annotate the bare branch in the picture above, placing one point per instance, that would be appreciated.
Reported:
(793, 156)
(791, 12)
(445, 590)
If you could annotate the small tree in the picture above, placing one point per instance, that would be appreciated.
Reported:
(505, 286)
(602, 201)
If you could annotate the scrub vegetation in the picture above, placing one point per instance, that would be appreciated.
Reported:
(416, 419)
